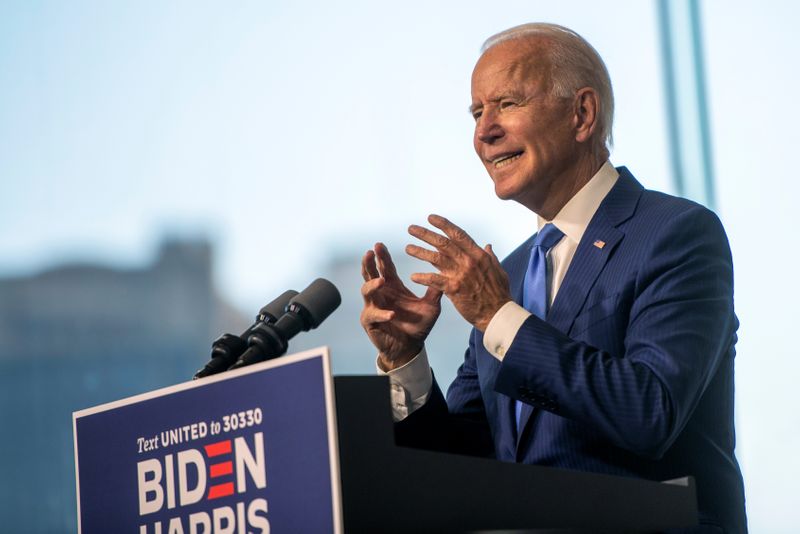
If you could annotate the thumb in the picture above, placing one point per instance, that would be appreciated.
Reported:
(490, 251)
(432, 295)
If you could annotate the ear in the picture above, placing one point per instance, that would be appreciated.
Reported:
(587, 107)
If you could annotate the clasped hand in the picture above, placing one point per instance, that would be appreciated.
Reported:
(397, 321)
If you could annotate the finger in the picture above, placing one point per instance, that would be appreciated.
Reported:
(372, 315)
(490, 251)
(370, 287)
(386, 266)
(438, 241)
(368, 268)
(432, 295)
(456, 234)
(432, 280)
(434, 258)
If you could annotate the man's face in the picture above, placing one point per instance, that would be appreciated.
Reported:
(523, 136)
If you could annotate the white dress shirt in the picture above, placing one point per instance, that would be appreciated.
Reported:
(411, 384)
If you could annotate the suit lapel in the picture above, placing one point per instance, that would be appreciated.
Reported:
(597, 244)
(516, 264)
(588, 262)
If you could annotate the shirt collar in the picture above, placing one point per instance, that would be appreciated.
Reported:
(574, 217)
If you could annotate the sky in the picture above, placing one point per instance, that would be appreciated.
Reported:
(287, 132)
(278, 135)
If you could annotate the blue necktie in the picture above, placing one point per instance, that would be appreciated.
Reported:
(535, 290)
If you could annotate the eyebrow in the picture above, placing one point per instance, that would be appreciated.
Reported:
(495, 100)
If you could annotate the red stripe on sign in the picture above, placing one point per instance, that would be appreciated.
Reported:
(220, 490)
(215, 449)
(221, 469)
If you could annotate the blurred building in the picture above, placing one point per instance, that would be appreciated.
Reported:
(80, 335)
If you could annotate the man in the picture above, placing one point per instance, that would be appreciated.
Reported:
(605, 342)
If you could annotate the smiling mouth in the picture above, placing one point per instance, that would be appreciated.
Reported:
(506, 159)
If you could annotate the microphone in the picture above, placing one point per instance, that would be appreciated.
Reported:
(276, 308)
(305, 311)
(227, 348)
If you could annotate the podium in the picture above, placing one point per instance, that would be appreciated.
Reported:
(386, 488)
(283, 447)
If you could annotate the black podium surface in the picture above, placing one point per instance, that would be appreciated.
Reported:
(387, 488)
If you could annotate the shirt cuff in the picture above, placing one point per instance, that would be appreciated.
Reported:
(410, 385)
(503, 328)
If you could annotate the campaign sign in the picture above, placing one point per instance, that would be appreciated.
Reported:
(247, 451)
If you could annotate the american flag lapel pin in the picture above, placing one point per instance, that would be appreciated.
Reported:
(599, 244)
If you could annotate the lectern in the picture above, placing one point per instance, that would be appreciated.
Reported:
(281, 446)
(387, 488)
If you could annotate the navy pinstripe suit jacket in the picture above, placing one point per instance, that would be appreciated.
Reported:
(632, 373)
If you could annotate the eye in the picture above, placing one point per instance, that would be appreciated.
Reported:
(505, 104)
(476, 114)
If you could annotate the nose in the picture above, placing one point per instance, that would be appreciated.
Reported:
(488, 129)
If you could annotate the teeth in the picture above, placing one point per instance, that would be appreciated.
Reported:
(505, 160)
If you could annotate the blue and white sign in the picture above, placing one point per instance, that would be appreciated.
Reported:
(251, 451)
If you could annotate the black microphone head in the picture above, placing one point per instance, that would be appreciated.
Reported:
(272, 311)
(317, 301)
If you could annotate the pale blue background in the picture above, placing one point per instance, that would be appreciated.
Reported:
(291, 131)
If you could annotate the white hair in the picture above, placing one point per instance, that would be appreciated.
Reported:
(574, 64)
